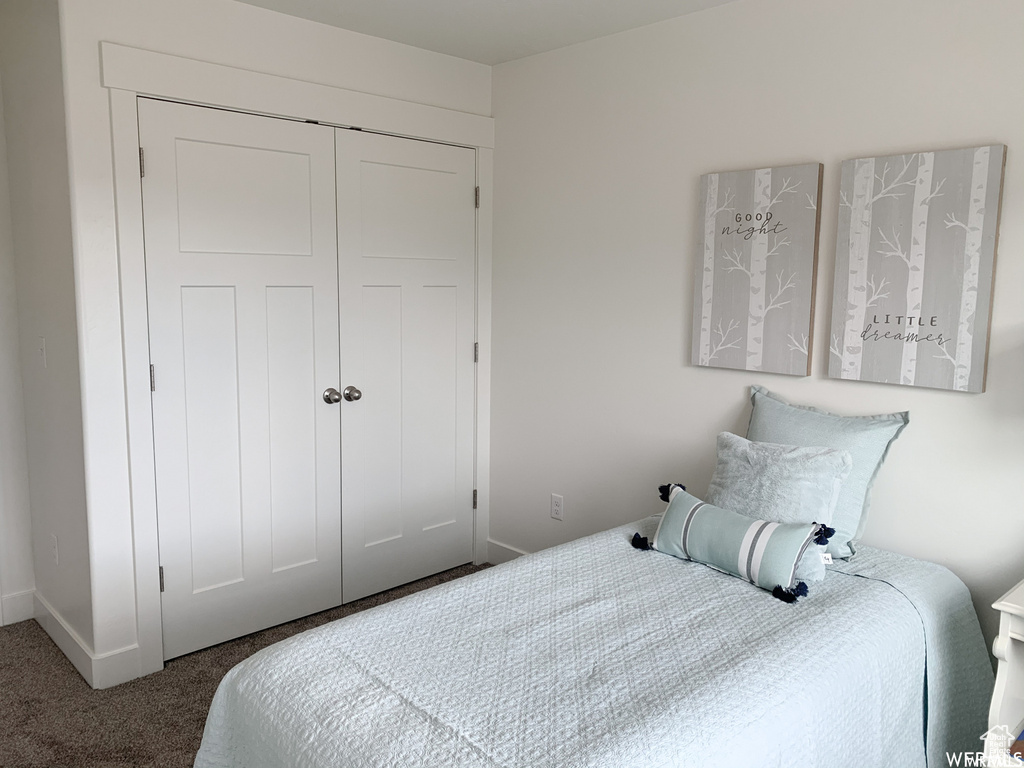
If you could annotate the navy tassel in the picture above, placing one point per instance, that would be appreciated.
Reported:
(824, 534)
(790, 595)
(665, 490)
(640, 542)
(783, 594)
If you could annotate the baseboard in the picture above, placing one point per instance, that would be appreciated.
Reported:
(99, 670)
(498, 553)
(73, 646)
(17, 607)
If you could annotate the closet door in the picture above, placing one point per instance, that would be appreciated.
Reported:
(407, 253)
(241, 264)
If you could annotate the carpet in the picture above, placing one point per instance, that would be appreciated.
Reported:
(51, 718)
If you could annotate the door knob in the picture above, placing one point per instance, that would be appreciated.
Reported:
(352, 394)
(332, 396)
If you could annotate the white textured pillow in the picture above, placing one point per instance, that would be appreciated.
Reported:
(781, 484)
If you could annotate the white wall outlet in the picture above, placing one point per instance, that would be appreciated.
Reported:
(556, 506)
(55, 550)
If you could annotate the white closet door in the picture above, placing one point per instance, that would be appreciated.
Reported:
(407, 252)
(241, 264)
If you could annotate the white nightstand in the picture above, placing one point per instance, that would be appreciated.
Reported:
(1007, 710)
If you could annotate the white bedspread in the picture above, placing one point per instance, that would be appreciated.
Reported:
(595, 654)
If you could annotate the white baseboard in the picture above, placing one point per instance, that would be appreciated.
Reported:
(73, 646)
(99, 670)
(17, 607)
(498, 553)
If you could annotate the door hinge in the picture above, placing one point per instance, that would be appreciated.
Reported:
(476, 197)
(152, 379)
(476, 351)
(142, 162)
(161, 578)
(474, 498)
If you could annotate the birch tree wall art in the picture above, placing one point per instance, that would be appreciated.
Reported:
(915, 254)
(756, 264)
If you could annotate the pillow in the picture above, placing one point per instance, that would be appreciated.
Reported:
(762, 552)
(781, 484)
(867, 438)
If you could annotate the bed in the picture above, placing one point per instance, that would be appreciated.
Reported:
(597, 654)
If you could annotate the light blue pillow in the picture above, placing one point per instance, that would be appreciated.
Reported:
(781, 484)
(867, 438)
(759, 551)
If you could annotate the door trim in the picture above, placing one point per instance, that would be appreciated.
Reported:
(162, 75)
(205, 84)
(484, 229)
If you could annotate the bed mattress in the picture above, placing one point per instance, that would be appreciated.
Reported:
(597, 654)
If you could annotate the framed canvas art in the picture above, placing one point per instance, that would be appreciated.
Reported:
(915, 254)
(756, 266)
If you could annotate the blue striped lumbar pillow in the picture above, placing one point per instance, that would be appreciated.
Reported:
(761, 552)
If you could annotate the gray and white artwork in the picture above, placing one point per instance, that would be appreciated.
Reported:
(915, 251)
(754, 284)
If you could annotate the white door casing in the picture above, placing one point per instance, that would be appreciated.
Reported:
(241, 259)
(407, 247)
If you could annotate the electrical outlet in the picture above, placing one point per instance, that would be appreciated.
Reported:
(55, 550)
(556, 506)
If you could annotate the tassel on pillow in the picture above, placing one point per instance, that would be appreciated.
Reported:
(640, 542)
(790, 595)
(824, 534)
(665, 491)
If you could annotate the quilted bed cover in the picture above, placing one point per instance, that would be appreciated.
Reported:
(600, 655)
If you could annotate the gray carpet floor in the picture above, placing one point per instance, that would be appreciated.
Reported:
(51, 718)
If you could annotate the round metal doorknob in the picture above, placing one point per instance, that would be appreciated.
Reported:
(352, 394)
(332, 396)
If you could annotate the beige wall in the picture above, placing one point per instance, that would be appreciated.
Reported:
(599, 150)
(17, 581)
(33, 110)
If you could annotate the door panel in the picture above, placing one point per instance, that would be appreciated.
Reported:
(241, 263)
(213, 442)
(293, 460)
(432, 346)
(407, 252)
(419, 223)
(242, 199)
(381, 409)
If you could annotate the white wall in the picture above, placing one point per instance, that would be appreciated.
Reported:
(222, 32)
(30, 71)
(599, 150)
(17, 581)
